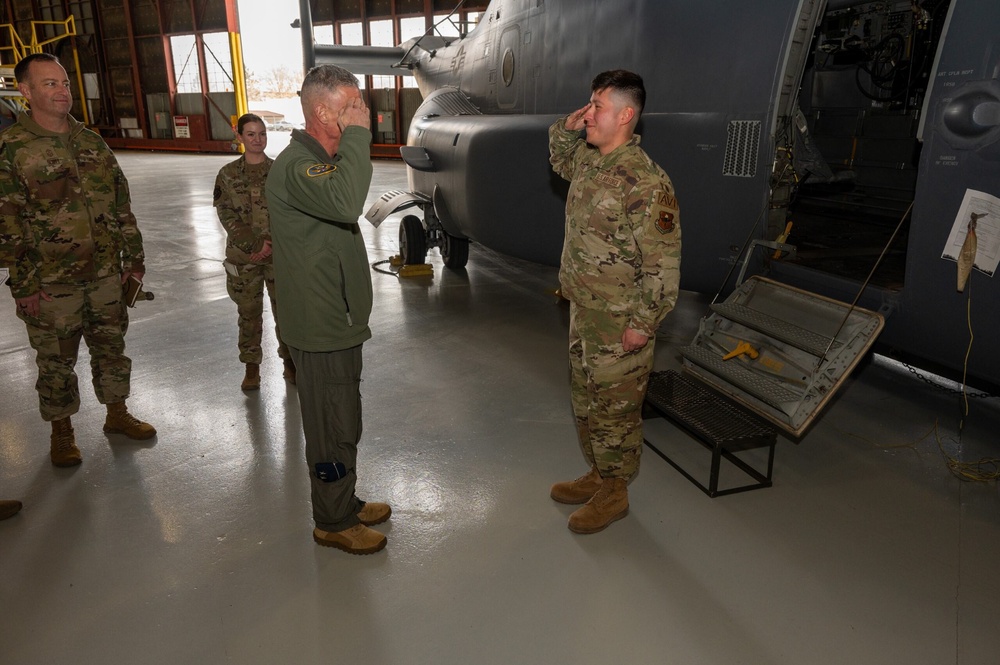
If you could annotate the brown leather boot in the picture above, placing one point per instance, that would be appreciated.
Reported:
(374, 513)
(289, 372)
(610, 503)
(579, 490)
(120, 421)
(359, 539)
(252, 379)
(64, 451)
(9, 508)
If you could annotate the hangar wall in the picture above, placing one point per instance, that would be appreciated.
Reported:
(168, 74)
(122, 55)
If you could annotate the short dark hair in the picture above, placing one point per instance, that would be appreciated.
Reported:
(21, 68)
(624, 82)
(246, 118)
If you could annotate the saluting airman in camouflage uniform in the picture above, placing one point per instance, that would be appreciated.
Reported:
(242, 206)
(70, 240)
(620, 270)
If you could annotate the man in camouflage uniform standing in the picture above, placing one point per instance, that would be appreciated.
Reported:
(620, 270)
(71, 242)
(239, 199)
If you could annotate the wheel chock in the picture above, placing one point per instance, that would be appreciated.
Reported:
(416, 270)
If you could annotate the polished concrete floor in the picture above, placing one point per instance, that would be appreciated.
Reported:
(195, 547)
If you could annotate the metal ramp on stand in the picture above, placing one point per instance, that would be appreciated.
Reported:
(769, 356)
(720, 425)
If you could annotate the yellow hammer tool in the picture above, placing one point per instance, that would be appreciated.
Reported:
(743, 348)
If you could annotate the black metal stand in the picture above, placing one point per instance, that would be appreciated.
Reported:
(716, 423)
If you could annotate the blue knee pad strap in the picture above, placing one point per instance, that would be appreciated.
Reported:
(330, 472)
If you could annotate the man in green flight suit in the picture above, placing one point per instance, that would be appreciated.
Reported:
(316, 192)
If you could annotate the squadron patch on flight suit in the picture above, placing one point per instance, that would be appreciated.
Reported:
(320, 169)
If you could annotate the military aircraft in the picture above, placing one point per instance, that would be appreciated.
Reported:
(865, 130)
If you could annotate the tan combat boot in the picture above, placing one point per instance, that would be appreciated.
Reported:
(9, 508)
(359, 539)
(120, 421)
(579, 490)
(289, 372)
(252, 379)
(610, 503)
(374, 513)
(64, 451)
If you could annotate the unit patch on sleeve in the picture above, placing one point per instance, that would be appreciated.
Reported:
(667, 200)
(665, 222)
(320, 169)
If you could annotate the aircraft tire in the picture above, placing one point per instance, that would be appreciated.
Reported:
(412, 241)
(455, 252)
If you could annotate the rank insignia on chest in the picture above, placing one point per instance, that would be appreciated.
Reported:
(608, 180)
(665, 222)
(320, 169)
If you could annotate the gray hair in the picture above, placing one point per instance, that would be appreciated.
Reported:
(325, 78)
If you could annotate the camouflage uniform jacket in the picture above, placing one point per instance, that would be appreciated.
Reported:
(321, 269)
(65, 213)
(239, 199)
(622, 249)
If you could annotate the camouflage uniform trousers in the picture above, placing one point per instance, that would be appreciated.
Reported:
(607, 388)
(95, 312)
(247, 291)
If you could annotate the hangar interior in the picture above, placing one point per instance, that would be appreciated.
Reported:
(195, 546)
(872, 546)
(168, 74)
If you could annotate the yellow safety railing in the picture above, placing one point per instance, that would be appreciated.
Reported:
(19, 50)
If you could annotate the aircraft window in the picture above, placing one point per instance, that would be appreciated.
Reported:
(508, 67)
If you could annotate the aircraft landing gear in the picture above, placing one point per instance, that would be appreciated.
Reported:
(412, 240)
(416, 236)
(454, 251)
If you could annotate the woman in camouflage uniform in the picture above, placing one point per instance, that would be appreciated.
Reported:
(242, 207)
